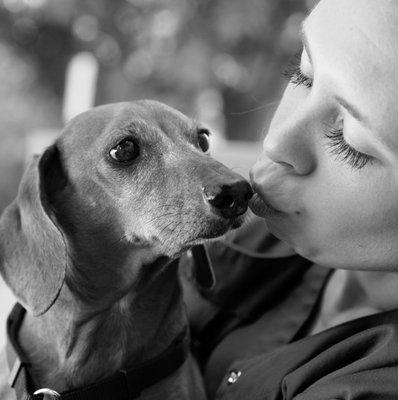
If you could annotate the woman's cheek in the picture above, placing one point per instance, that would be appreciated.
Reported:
(351, 215)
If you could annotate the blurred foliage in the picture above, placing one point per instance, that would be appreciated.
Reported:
(218, 60)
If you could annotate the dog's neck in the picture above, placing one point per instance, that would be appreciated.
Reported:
(73, 345)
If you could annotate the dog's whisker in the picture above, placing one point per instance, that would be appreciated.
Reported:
(119, 240)
(167, 206)
(177, 213)
(175, 228)
(158, 217)
(177, 224)
(167, 226)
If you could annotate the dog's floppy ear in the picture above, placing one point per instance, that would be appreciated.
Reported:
(32, 247)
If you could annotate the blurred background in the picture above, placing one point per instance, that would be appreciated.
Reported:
(219, 61)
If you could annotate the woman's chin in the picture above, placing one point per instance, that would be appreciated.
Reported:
(297, 240)
(286, 226)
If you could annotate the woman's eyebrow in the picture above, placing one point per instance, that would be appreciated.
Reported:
(304, 40)
(353, 111)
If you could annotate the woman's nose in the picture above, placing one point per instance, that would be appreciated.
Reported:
(291, 147)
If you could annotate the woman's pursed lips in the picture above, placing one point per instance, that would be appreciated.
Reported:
(260, 207)
(274, 190)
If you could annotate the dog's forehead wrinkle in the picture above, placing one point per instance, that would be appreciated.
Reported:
(129, 123)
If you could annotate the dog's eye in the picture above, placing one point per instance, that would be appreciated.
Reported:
(125, 151)
(203, 140)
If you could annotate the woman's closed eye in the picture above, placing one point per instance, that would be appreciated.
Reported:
(335, 137)
(343, 151)
(295, 75)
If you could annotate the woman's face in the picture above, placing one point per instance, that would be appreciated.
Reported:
(330, 159)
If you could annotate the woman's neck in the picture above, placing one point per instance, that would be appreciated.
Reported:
(353, 294)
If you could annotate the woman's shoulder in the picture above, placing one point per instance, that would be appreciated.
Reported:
(355, 360)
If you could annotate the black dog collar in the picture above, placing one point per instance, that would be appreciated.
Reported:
(123, 385)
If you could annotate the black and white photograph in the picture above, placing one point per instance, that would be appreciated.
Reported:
(198, 200)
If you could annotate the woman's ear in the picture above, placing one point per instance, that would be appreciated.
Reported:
(33, 250)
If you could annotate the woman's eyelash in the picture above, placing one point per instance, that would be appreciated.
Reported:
(294, 74)
(344, 151)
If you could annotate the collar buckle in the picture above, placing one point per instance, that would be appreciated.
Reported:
(47, 394)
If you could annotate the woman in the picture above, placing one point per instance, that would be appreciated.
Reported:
(322, 323)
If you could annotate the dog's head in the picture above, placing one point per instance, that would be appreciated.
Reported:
(120, 177)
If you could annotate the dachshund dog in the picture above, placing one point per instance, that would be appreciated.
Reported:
(89, 244)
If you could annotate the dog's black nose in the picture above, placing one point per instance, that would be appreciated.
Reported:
(228, 200)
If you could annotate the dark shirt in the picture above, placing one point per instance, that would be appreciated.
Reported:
(249, 331)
